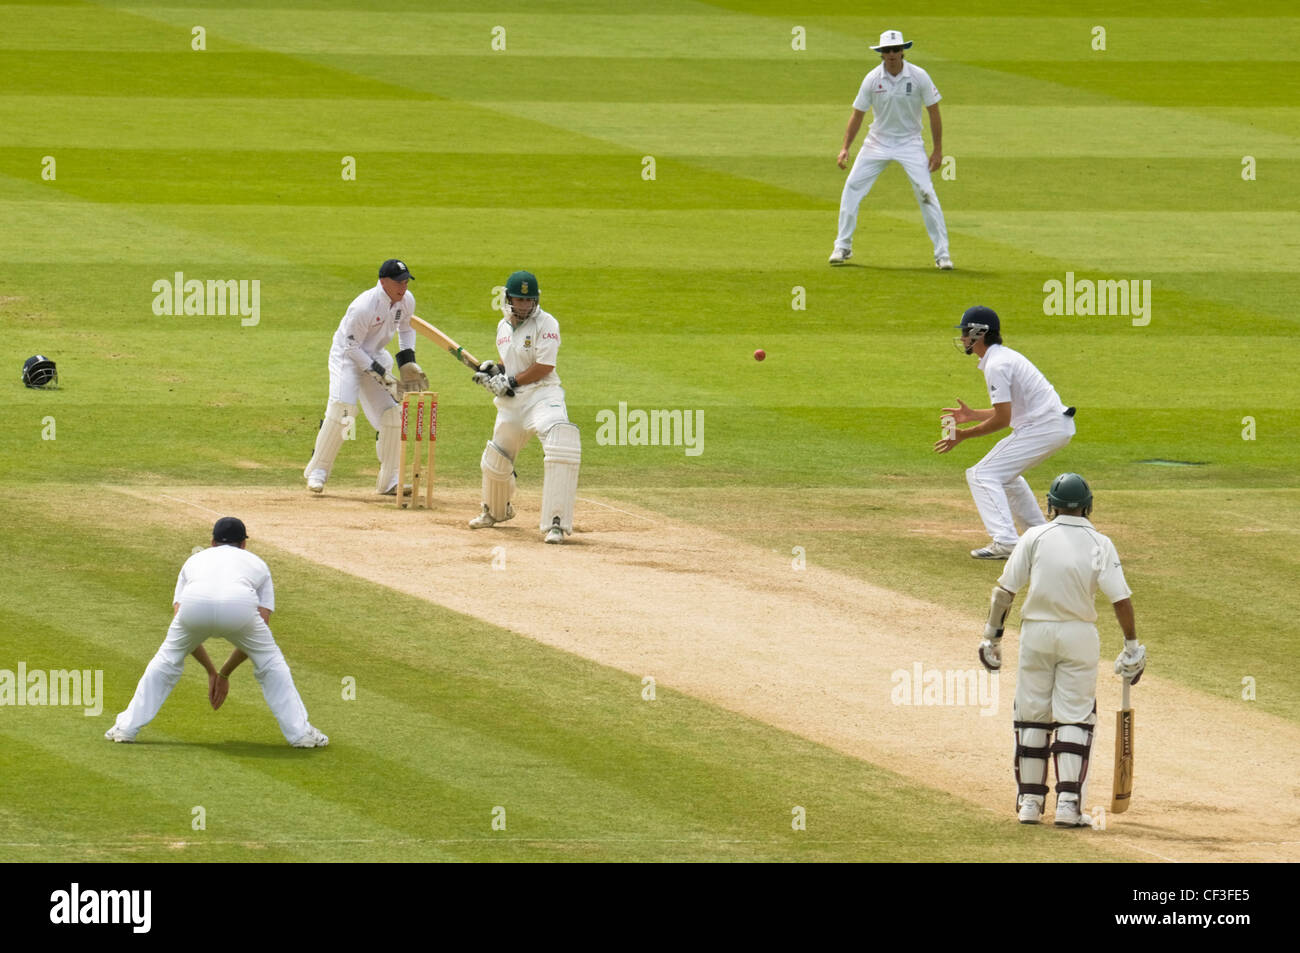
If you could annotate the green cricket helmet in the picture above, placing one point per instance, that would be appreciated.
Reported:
(1069, 491)
(522, 285)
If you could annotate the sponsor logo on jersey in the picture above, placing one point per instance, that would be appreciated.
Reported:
(550, 336)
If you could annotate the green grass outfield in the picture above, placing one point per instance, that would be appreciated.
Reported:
(226, 163)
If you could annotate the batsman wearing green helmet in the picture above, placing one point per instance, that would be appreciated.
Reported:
(1063, 562)
(529, 400)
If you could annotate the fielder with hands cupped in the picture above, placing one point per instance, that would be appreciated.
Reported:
(1063, 562)
(529, 400)
(360, 371)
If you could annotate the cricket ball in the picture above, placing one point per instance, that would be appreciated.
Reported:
(760, 354)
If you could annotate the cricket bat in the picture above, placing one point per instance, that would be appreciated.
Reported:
(447, 344)
(1122, 791)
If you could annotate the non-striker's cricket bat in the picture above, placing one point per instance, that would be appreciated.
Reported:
(1122, 792)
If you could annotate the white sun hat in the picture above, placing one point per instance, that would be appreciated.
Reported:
(892, 38)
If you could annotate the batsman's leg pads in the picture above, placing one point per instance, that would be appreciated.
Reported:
(389, 448)
(1032, 738)
(1070, 752)
(563, 447)
(498, 480)
(330, 437)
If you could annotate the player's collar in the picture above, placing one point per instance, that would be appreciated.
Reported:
(1072, 520)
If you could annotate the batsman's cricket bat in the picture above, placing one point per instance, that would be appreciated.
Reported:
(447, 344)
(1122, 791)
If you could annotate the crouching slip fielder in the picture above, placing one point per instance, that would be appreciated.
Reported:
(1040, 425)
(528, 341)
(1064, 562)
(222, 592)
(359, 366)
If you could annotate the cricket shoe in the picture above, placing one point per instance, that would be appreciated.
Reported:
(993, 550)
(840, 255)
(1031, 810)
(485, 519)
(392, 490)
(117, 734)
(555, 534)
(943, 263)
(316, 481)
(1067, 814)
(312, 739)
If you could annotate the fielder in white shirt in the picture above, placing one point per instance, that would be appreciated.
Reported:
(529, 400)
(1040, 423)
(1064, 563)
(359, 366)
(221, 592)
(895, 92)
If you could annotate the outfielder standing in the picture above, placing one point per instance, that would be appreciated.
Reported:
(894, 91)
(1064, 563)
(528, 342)
(222, 592)
(1040, 425)
(359, 365)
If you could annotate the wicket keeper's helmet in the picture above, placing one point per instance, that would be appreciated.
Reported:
(39, 371)
(1070, 491)
(522, 284)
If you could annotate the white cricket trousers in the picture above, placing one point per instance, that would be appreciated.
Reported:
(227, 613)
(532, 412)
(871, 161)
(1001, 493)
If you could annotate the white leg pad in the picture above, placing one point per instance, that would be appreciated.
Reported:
(330, 437)
(498, 480)
(563, 447)
(389, 448)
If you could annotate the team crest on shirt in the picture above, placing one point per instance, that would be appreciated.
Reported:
(528, 341)
(909, 89)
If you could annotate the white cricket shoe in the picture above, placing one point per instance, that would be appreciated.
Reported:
(392, 490)
(312, 739)
(1031, 810)
(117, 734)
(316, 481)
(943, 262)
(485, 519)
(840, 255)
(1067, 813)
(994, 550)
(555, 534)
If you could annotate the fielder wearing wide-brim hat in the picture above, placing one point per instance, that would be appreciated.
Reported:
(892, 38)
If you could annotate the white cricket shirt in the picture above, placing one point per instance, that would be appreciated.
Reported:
(226, 567)
(895, 103)
(535, 341)
(370, 323)
(1010, 376)
(1064, 562)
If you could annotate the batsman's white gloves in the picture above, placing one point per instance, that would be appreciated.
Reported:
(991, 654)
(1132, 662)
(501, 385)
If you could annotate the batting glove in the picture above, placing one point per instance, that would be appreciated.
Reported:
(501, 385)
(1132, 662)
(991, 654)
